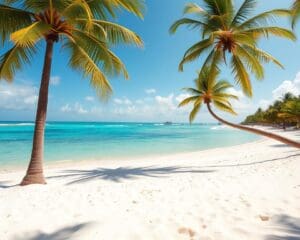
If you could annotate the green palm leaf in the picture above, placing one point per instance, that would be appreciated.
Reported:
(81, 61)
(28, 36)
(208, 90)
(14, 59)
(241, 75)
(225, 32)
(12, 19)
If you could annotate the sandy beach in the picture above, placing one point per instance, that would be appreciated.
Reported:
(245, 192)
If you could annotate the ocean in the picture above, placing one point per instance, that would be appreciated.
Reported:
(66, 141)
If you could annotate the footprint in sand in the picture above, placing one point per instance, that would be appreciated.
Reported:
(264, 218)
(188, 231)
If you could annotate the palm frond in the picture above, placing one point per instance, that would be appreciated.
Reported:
(117, 34)
(194, 52)
(224, 107)
(99, 52)
(295, 12)
(243, 12)
(190, 23)
(276, 31)
(192, 91)
(251, 61)
(28, 36)
(241, 75)
(263, 18)
(12, 19)
(193, 8)
(38, 6)
(104, 8)
(262, 55)
(14, 59)
(80, 60)
(194, 112)
(188, 101)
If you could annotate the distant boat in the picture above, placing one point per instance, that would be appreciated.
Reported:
(168, 123)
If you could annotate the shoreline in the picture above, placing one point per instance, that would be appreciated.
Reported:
(249, 191)
(67, 163)
(70, 162)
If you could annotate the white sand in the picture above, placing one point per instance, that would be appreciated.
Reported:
(246, 192)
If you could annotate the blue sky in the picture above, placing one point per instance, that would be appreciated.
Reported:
(153, 91)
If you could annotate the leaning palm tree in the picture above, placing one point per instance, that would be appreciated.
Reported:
(82, 28)
(231, 36)
(210, 92)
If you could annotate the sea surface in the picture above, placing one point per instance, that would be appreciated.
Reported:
(92, 141)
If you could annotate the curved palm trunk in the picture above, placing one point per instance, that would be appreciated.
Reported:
(34, 173)
(256, 131)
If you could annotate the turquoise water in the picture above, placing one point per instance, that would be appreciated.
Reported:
(90, 141)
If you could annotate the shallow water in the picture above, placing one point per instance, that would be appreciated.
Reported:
(91, 140)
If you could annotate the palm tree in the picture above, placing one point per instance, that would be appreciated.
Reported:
(82, 28)
(210, 92)
(291, 110)
(230, 35)
(295, 11)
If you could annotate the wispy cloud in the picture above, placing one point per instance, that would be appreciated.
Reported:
(76, 108)
(89, 99)
(55, 80)
(150, 91)
(124, 101)
(17, 96)
(150, 108)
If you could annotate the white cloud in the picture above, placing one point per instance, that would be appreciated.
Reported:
(243, 104)
(139, 101)
(166, 101)
(182, 96)
(55, 80)
(285, 87)
(237, 93)
(66, 108)
(157, 108)
(124, 101)
(76, 108)
(89, 99)
(288, 86)
(150, 91)
(17, 96)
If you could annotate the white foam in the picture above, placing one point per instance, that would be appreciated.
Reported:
(15, 124)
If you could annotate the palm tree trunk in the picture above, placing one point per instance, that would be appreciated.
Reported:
(34, 173)
(255, 131)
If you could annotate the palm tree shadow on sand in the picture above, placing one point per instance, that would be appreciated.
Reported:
(252, 163)
(125, 173)
(6, 184)
(61, 234)
(289, 228)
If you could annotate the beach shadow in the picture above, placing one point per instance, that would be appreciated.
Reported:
(61, 234)
(280, 145)
(288, 226)
(124, 173)
(251, 163)
(5, 184)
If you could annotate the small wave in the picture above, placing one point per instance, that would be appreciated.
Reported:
(219, 127)
(158, 124)
(15, 124)
(117, 125)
